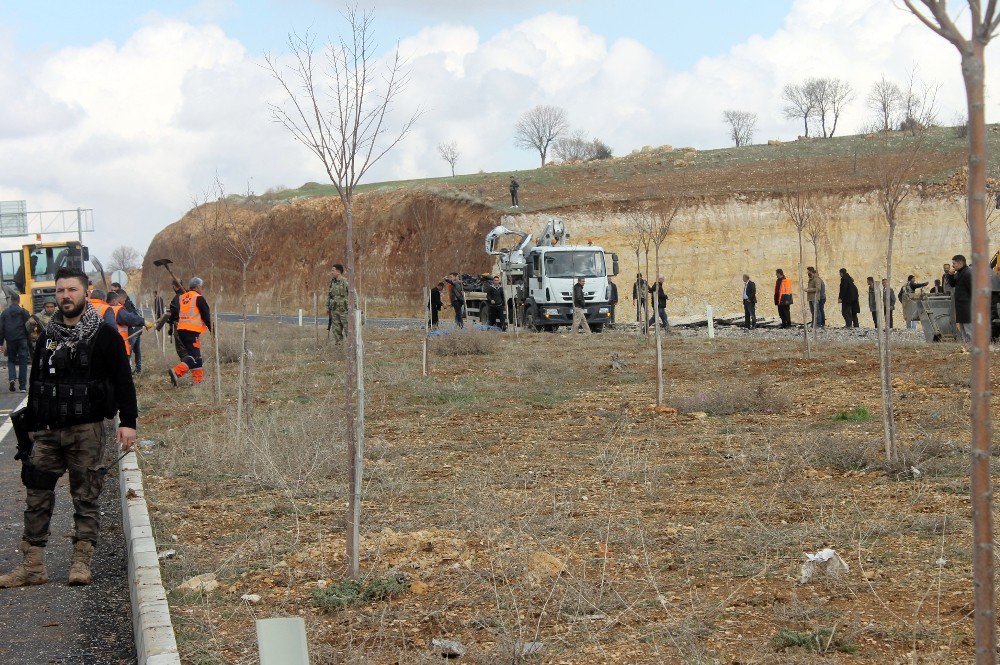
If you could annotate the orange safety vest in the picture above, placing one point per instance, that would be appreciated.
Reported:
(786, 288)
(100, 306)
(189, 317)
(122, 330)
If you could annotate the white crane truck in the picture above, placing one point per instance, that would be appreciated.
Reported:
(538, 280)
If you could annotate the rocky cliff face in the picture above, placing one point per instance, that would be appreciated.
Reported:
(703, 258)
(711, 246)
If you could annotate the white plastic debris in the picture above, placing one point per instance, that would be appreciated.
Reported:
(448, 648)
(166, 554)
(824, 562)
(250, 598)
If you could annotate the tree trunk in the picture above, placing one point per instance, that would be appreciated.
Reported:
(973, 70)
(218, 364)
(802, 300)
(883, 299)
(805, 121)
(427, 327)
(656, 328)
(352, 435)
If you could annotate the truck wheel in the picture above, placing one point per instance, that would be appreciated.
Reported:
(531, 319)
(597, 327)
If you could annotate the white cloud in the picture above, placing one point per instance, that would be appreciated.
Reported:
(138, 128)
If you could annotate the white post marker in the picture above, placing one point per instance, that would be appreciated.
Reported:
(300, 317)
(711, 321)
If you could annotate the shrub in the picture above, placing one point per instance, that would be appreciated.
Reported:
(822, 640)
(827, 452)
(462, 344)
(760, 397)
(353, 592)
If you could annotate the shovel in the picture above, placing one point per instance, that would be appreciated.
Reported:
(165, 263)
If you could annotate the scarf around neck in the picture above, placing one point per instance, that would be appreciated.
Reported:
(72, 336)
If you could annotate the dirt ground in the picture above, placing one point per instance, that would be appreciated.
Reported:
(527, 501)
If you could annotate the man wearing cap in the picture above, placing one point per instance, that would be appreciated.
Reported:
(134, 344)
(193, 318)
(36, 324)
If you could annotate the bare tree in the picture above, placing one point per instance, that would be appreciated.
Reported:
(449, 153)
(885, 101)
(829, 97)
(742, 125)
(573, 148)
(919, 107)
(337, 106)
(662, 218)
(539, 128)
(800, 208)
(799, 104)
(426, 213)
(972, 49)
(640, 229)
(125, 258)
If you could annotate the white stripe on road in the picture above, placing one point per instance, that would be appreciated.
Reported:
(8, 425)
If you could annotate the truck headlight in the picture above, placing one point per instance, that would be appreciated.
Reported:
(551, 311)
(604, 310)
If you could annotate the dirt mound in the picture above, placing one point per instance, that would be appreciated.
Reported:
(303, 238)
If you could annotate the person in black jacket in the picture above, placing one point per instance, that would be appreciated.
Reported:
(961, 283)
(749, 303)
(435, 305)
(639, 290)
(14, 342)
(457, 298)
(136, 341)
(580, 307)
(660, 298)
(850, 307)
(496, 301)
(80, 376)
(612, 301)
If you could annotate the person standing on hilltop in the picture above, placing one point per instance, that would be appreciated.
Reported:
(515, 202)
(336, 303)
(783, 297)
(848, 299)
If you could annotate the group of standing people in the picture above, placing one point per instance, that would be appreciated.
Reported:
(956, 280)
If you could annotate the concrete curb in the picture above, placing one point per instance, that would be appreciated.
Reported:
(155, 643)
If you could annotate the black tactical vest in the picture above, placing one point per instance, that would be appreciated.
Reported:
(64, 394)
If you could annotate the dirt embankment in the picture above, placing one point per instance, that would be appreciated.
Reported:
(299, 241)
(734, 223)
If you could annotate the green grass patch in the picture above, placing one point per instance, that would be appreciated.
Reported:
(349, 593)
(859, 414)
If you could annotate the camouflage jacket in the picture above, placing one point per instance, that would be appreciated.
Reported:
(36, 325)
(336, 299)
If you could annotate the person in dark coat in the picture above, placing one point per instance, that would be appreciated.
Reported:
(639, 296)
(749, 302)
(612, 301)
(457, 298)
(848, 299)
(496, 301)
(515, 201)
(14, 342)
(436, 304)
(961, 283)
(660, 298)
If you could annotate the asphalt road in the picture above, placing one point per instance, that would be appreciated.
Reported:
(55, 623)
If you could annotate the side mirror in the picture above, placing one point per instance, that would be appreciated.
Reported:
(86, 253)
(614, 265)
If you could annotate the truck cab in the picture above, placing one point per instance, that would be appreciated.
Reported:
(31, 270)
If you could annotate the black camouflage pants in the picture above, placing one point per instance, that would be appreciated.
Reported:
(81, 450)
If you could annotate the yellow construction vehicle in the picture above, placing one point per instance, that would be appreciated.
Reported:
(43, 260)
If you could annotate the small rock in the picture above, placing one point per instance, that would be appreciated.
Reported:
(250, 598)
(419, 588)
(448, 648)
(543, 566)
(166, 554)
(665, 410)
(204, 583)
(680, 163)
(131, 494)
(528, 649)
(700, 415)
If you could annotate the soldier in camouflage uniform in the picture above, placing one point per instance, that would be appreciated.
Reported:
(336, 303)
(36, 324)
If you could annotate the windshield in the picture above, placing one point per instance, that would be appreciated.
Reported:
(45, 261)
(574, 264)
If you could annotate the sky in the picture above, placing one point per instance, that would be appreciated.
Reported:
(134, 108)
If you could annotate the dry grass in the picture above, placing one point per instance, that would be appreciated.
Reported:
(534, 496)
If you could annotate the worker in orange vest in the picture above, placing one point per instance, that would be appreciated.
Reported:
(99, 300)
(193, 317)
(124, 319)
(783, 298)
